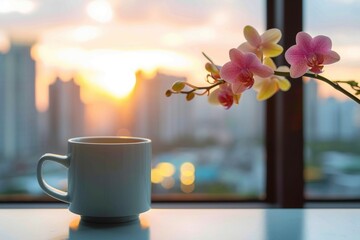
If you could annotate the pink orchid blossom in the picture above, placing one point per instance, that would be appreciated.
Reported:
(310, 54)
(240, 71)
(223, 95)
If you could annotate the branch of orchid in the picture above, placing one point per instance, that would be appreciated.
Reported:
(334, 84)
(177, 88)
(353, 84)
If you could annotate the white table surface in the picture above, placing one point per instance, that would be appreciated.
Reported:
(185, 224)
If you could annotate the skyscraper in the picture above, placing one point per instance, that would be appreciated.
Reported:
(160, 118)
(66, 113)
(18, 115)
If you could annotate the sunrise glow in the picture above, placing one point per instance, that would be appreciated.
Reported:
(101, 71)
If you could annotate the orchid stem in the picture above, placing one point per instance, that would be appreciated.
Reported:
(324, 79)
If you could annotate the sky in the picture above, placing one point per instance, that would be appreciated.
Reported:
(68, 35)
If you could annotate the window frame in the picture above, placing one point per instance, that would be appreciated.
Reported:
(284, 132)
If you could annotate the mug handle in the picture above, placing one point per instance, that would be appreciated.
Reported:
(53, 192)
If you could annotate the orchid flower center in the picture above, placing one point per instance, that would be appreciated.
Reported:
(226, 98)
(315, 62)
(246, 77)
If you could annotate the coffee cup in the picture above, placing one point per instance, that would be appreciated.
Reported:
(108, 177)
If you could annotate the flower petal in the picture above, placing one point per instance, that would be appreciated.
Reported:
(270, 63)
(238, 87)
(272, 50)
(252, 36)
(294, 54)
(283, 69)
(213, 97)
(237, 98)
(321, 44)
(229, 72)
(246, 47)
(331, 57)
(258, 82)
(255, 66)
(271, 36)
(303, 40)
(298, 69)
(262, 71)
(268, 89)
(283, 84)
(237, 57)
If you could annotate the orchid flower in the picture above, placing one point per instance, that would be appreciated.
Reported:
(267, 87)
(240, 71)
(310, 54)
(264, 45)
(251, 65)
(223, 95)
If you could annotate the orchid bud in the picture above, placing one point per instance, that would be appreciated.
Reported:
(168, 93)
(214, 70)
(190, 96)
(178, 86)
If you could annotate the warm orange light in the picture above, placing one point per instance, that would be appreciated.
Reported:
(156, 176)
(144, 221)
(166, 169)
(187, 168)
(187, 180)
(74, 224)
(118, 83)
(4, 42)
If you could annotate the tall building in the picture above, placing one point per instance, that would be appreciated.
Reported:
(349, 124)
(158, 117)
(18, 115)
(65, 114)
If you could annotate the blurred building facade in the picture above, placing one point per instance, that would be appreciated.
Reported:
(65, 113)
(18, 115)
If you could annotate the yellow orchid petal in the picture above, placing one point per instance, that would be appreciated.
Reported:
(283, 69)
(268, 89)
(272, 49)
(271, 36)
(270, 63)
(237, 98)
(252, 36)
(258, 82)
(213, 97)
(283, 84)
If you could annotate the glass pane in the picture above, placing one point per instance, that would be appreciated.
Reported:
(332, 121)
(81, 68)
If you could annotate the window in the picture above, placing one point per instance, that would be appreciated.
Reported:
(102, 67)
(332, 132)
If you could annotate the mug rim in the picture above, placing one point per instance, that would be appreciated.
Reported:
(106, 140)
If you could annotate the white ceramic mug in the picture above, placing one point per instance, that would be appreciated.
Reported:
(108, 177)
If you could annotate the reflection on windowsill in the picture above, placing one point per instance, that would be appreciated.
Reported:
(135, 230)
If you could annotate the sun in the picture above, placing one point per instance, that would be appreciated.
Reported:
(110, 71)
(117, 83)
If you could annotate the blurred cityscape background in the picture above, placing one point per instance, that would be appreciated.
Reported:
(197, 147)
(105, 72)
